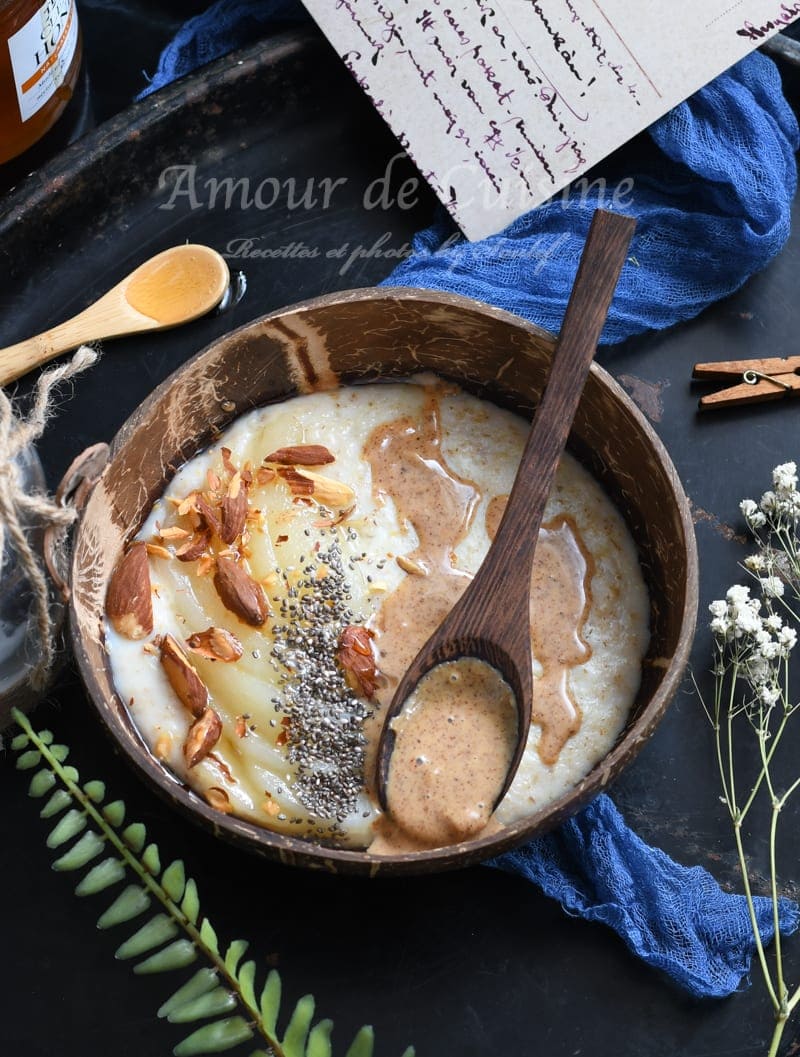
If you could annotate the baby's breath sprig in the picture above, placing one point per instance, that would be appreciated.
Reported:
(753, 640)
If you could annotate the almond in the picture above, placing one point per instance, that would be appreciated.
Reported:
(301, 455)
(183, 677)
(356, 658)
(299, 484)
(325, 490)
(216, 644)
(234, 510)
(195, 547)
(240, 593)
(219, 799)
(203, 735)
(129, 603)
(207, 513)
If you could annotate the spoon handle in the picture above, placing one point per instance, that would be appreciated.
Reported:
(509, 561)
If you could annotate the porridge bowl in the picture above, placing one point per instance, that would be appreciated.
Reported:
(304, 363)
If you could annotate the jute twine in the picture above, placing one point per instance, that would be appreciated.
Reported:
(18, 507)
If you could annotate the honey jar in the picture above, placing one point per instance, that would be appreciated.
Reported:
(40, 60)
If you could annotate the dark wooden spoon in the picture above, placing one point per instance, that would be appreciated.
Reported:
(491, 620)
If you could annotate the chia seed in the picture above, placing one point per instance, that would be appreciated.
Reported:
(324, 736)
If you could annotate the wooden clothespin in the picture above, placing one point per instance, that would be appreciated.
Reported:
(758, 380)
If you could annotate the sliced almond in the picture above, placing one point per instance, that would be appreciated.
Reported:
(203, 735)
(163, 745)
(240, 593)
(241, 727)
(195, 547)
(264, 475)
(226, 460)
(183, 677)
(214, 482)
(155, 550)
(129, 602)
(325, 490)
(186, 505)
(216, 644)
(411, 567)
(173, 532)
(357, 659)
(301, 455)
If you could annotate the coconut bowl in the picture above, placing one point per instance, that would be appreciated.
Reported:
(361, 336)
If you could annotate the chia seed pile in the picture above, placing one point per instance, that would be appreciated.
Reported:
(324, 718)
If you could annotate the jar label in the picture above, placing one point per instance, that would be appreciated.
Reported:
(41, 54)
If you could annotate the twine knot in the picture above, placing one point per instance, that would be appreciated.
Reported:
(18, 507)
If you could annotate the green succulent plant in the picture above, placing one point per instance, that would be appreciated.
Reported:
(93, 836)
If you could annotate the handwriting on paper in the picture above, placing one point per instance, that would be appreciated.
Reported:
(502, 103)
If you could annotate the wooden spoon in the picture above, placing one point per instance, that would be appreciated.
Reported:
(491, 620)
(173, 287)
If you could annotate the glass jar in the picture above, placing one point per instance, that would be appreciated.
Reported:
(40, 60)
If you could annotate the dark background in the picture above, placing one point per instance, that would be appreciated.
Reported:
(466, 964)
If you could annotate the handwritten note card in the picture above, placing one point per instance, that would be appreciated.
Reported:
(502, 103)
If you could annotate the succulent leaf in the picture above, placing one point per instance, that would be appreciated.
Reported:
(363, 1044)
(215, 1038)
(203, 981)
(41, 783)
(67, 827)
(294, 1040)
(114, 813)
(176, 955)
(319, 1041)
(271, 1002)
(82, 852)
(57, 802)
(211, 1004)
(234, 955)
(103, 875)
(95, 790)
(128, 905)
(173, 880)
(152, 934)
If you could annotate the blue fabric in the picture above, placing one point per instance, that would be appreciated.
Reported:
(675, 918)
(712, 208)
(226, 25)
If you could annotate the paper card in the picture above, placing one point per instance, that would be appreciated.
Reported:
(502, 103)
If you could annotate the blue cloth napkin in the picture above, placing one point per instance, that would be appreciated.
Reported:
(712, 208)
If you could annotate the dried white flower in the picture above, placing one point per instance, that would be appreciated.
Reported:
(772, 586)
(784, 477)
(756, 563)
(787, 637)
(769, 695)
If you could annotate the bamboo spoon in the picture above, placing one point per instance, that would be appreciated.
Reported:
(491, 620)
(176, 286)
